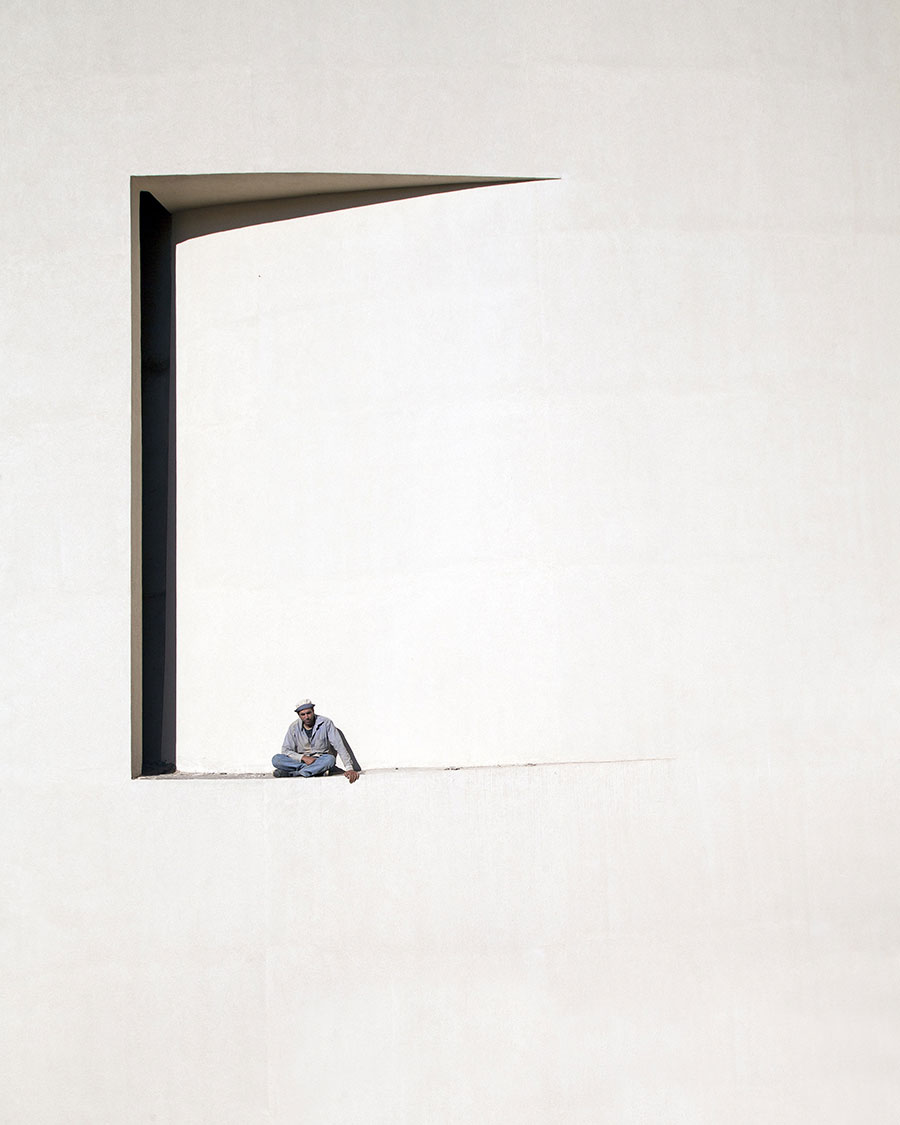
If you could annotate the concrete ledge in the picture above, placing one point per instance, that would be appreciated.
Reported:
(178, 775)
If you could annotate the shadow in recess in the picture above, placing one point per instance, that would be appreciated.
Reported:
(157, 486)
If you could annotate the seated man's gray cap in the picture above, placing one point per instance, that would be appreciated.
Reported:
(305, 703)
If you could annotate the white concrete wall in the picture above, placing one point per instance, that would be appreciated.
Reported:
(367, 502)
(694, 333)
(631, 943)
(420, 468)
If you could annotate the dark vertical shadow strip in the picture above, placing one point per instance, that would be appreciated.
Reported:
(157, 486)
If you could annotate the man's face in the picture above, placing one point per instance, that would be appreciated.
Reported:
(307, 717)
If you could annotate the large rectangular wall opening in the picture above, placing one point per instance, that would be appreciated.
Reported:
(166, 211)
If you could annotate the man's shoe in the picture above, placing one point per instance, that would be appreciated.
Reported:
(283, 773)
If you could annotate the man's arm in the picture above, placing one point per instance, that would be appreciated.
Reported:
(291, 741)
(336, 741)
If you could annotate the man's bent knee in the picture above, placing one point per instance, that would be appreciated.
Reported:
(290, 763)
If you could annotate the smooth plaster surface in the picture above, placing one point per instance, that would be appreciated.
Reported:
(631, 942)
(702, 312)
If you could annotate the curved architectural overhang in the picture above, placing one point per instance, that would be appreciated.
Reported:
(183, 193)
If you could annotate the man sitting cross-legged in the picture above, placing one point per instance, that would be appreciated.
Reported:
(311, 745)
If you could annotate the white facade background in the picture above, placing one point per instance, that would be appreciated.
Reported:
(596, 472)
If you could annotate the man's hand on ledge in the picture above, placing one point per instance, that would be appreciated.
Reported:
(351, 775)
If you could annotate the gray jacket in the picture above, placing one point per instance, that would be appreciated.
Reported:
(324, 738)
